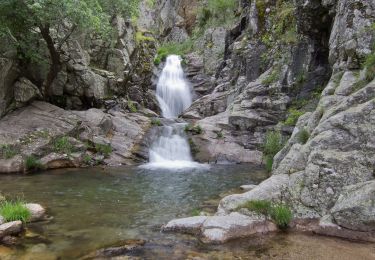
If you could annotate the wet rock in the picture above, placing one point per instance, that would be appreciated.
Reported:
(219, 229)
(126, 247)
(37, 212)
(189, 225)
(9, 240)
(13, 165)
(10, 228)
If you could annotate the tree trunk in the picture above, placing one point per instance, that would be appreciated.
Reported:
(55, 61)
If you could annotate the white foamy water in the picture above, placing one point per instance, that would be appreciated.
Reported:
(173, 91)
(171, 149)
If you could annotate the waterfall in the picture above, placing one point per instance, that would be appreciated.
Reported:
(171, 148)
(173, 91)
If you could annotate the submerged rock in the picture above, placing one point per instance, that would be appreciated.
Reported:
(191, 225)
(126, 247)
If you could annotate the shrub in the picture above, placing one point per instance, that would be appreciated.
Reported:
(272, 145)
(63, 145)
(8, 151)
(140, 37)
(195, 130)
(293, 116)
(156, 122)
(281, 215)
(12, 211)
(303, 135)
(132, 107)
(32, 163)
(104, 149)
(216, 12)
(173, 48)
(219, 134)
(369, 64)
(193, 147)
(259, 206)
(273, 77)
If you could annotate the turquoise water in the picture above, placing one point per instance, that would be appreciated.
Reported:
(95, 208)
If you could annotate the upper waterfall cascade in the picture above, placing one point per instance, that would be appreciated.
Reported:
(173, 91)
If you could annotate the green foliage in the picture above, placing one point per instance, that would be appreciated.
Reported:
(303, 135)
(156, 122)
(272, 145)
(8, 151)
(273, 77)
(33, 163)
(87, 159)
(195, 130)
(293, 116)
(132, 107)
(259, 206)
(13, 211)
(281, 215)
(219, 134)
(150, 3)
(104, 149)
(173, 48)
(140, 37)
(369, 64)
(214, 13)
(195, 212)
(193, 147)
(63, 145)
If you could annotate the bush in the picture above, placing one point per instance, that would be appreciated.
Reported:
(132, 107)
(272, 145)
(195, 130)
(32, 163)
(8, 151)
(104, 149)
(259, 206)
(63, 145)
(216, 12)
(281, 215)
(293, 116)
(303, 135)
(369, 64)
(140, 37)
(12, 211)
(173, 48)
(156, 122)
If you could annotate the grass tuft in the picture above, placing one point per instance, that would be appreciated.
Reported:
(13, 211)
(293, 116)
(272, 145)
(104, 149)
(280, 214)
(303, 135)
(63, 145)
(33, 163)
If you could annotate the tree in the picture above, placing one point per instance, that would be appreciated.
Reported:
(25, 21)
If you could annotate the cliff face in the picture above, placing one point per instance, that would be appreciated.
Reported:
(282, 60)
